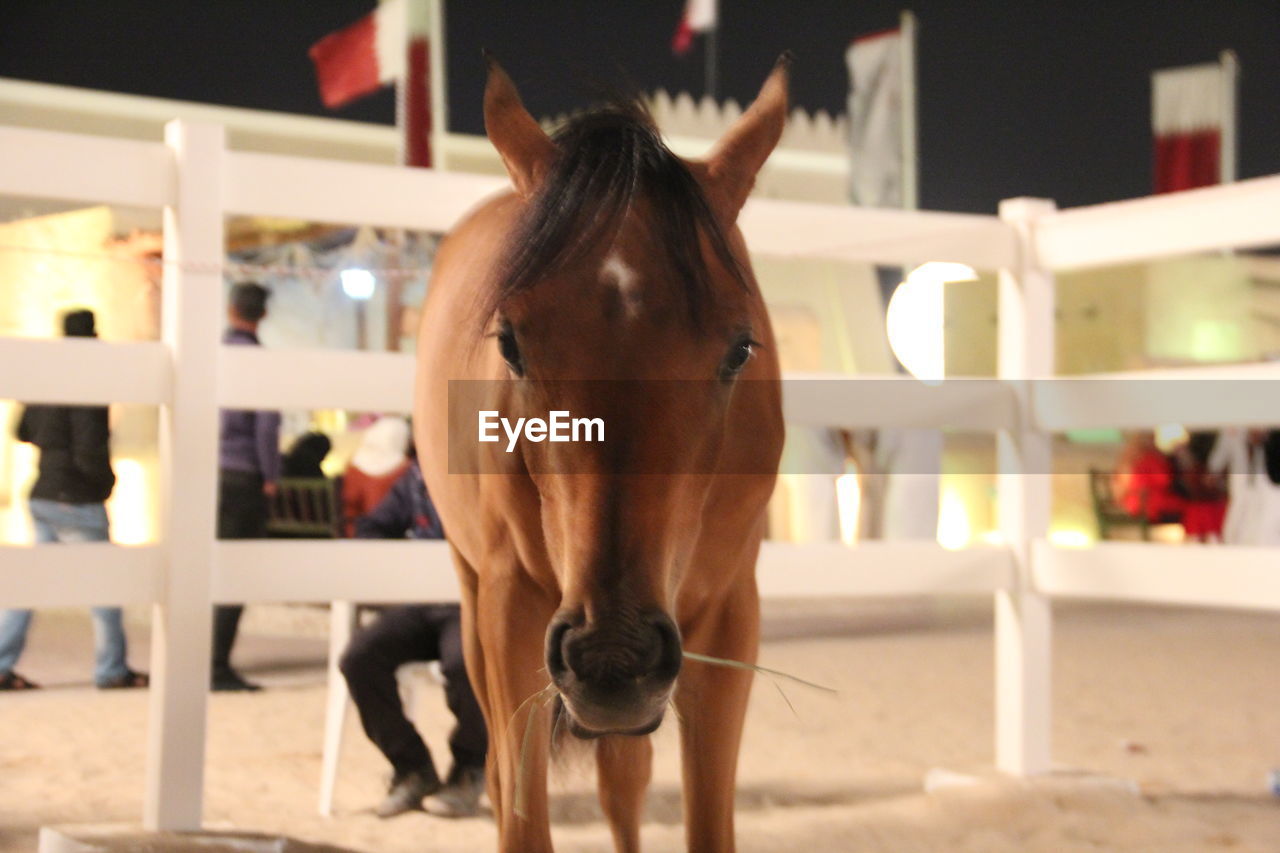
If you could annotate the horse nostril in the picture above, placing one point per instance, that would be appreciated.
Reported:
(670, 652)
(557, 633)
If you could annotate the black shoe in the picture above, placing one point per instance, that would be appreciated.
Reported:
(407, 791)
(228, 680)
(12, 681)
(128, 680)
(460, 797)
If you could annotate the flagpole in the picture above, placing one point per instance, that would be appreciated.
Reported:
(910, 149)
(1230, 89)
(402, 89)
(417, 149)
(711, 45)
(439, 93)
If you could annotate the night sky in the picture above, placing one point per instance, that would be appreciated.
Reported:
(1016, 98)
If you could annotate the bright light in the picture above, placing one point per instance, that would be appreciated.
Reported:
(943, 271)
(848, 505)
(954, 530)
(130, 504)
(1170, 436)
(1066, 537)
(357, 284)
(17, 528)
(914, 318)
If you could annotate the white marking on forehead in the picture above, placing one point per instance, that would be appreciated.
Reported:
(617, 273)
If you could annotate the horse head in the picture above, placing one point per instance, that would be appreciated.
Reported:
(625, 292)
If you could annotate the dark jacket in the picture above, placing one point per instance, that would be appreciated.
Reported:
(249, 441)
(75, 455)
(406, 511)
(305, 456)
(1271, 452)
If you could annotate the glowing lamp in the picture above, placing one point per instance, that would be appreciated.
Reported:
(357, 284)
(914, 318)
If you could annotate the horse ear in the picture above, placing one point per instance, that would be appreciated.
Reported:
(525, 148)
(730, 171)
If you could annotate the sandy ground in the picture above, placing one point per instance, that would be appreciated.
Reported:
(1180, 703)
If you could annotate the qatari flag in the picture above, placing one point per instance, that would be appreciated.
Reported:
(699, 17)
(389, 45)
(362, 57)
(1192, 118)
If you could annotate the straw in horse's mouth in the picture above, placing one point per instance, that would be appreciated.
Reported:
(537, 703)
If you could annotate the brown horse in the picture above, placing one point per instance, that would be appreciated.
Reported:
(587, 569)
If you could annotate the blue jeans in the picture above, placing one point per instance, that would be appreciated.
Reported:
(59, 522)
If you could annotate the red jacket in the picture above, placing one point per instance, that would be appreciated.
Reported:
(1148, 481)
(362, 492)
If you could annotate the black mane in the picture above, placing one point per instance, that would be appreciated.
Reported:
(608, 159)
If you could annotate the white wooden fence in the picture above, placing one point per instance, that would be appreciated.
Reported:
(197, 182)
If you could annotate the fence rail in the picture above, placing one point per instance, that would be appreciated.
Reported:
(254, 378)
(318, 571)
(1193, 576)
(1230, 216)
(198, 183)
(84, 371)
(70, 167)
(363, 193)
(80, 575)
(1198, 397)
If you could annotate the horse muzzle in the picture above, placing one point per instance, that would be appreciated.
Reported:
(616, 673)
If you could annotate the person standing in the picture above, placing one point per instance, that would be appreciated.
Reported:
(1244, 458)
(249, 473)
(68, 504)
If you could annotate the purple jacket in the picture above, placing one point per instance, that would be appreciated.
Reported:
(248, 440)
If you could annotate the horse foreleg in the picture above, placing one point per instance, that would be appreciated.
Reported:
(473, 656)
(511, 617)
(712, 704)
(624, 766)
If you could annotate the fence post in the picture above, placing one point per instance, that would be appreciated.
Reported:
(1023, 618)
(182, 620)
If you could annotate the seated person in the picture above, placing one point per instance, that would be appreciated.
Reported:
(306, 455)
(1150, 485)
(377, 464)
(415, 633)
(1144, 481)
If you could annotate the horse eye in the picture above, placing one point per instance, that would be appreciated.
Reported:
(739, 354)
(510, 350)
